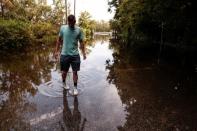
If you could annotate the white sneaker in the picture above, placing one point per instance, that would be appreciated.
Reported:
(66, 86)
(75, 91)
(70, 92)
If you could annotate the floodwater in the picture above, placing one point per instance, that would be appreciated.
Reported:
(112, 96)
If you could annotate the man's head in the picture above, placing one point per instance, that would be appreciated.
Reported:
(71, 21)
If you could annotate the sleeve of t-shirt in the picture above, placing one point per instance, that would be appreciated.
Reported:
(61, 32)
(81, 35)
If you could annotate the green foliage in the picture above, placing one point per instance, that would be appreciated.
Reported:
(85, 23)
(14, 34)
(42, 31)
(101, 26)
(90, 26)
(30, 11)
(145, 19)
(57, 13)
(150, 26)
(26, 22)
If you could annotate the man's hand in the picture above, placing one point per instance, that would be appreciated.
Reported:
(82, 47)
(84, 57)
(56, 54)
(58, 42)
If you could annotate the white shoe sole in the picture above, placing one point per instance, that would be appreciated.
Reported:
(67, 87)
(71, 92)
(75, 94)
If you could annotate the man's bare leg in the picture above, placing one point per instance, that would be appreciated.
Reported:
(75, 79)
(64, 74)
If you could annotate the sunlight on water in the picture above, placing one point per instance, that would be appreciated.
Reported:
(50, 115)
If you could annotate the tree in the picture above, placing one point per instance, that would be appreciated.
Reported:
(155, 24)
(102, 26)
(86, 24)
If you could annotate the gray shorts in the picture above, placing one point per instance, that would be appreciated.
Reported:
(67, 60)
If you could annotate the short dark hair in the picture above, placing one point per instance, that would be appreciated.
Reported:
(71, 18)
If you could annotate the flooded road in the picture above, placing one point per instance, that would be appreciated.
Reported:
(113, 96)
(32, 97)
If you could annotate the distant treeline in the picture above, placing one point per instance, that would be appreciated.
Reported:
(146, 19)
(169, 23)
(89, 26)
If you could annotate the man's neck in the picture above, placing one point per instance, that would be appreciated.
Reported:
(72, 27)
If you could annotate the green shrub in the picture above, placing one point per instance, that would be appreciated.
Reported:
(42, 31)
(14, 34)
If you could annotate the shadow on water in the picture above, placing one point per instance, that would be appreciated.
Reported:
(155, 97)
(72, 119)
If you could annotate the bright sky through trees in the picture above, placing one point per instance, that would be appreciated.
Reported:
(97, 8)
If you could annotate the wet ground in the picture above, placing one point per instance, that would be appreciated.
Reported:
(111, 97)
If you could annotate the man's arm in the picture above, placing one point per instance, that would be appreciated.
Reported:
(82, 47)
(58, 43)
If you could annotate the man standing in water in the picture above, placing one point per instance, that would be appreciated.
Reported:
(69, 36)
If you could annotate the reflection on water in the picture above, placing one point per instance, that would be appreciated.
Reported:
(31, 93)
(155, 98)
(72, 120)
(18, 74)
(54, 87)
(115, 95)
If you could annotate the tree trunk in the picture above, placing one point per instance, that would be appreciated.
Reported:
(2, 9)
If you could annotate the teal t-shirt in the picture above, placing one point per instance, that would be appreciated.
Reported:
(70, 37)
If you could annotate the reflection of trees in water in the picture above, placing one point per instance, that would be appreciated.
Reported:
(12, 110)
(18, 74)
(101, 37)
(94, 40)
(156, 98)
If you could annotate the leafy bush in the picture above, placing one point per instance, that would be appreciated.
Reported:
(43, 31)
(14, 34)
